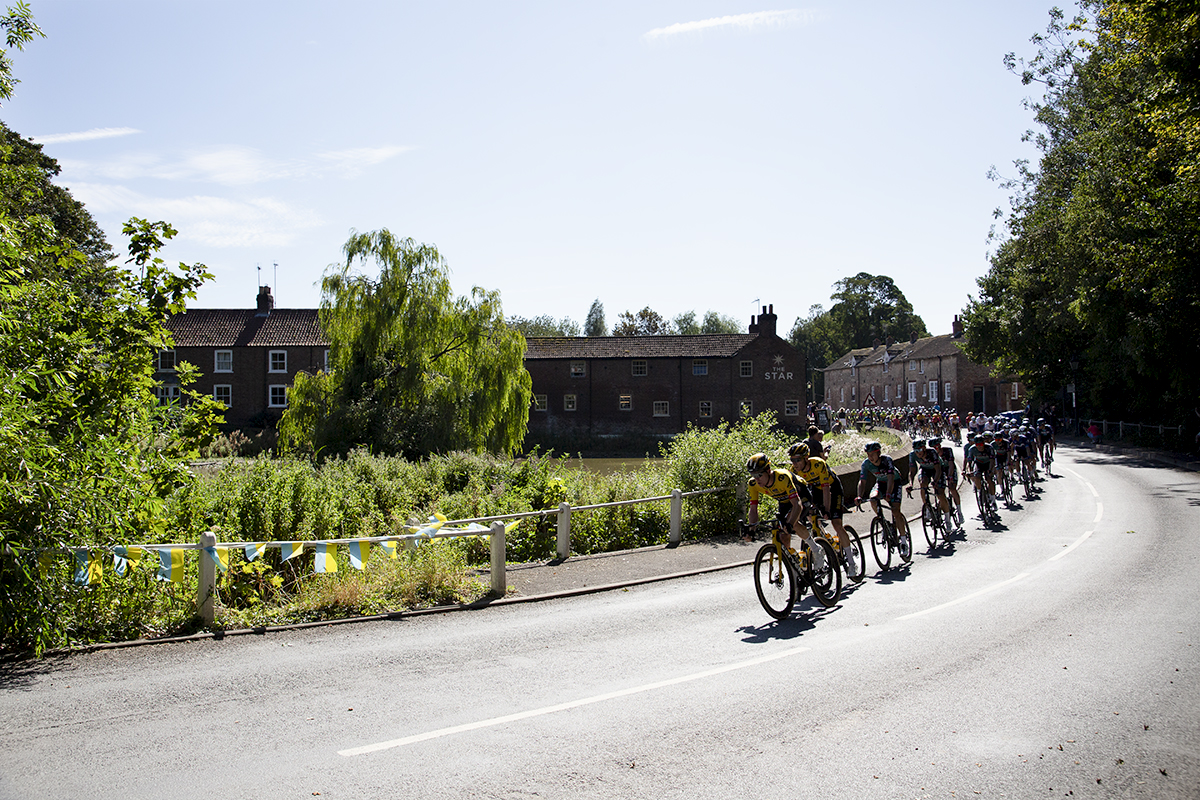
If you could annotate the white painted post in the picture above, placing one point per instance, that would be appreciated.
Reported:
(564, 530)
(499, 581)
(676, 516)
(206, 588)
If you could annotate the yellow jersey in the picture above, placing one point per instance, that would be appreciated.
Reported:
(783, 489)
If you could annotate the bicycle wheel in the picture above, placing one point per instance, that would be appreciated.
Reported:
(774, 581)
(904, 544)
(879, 543)
(826, 580)
(929, 525)
(859, 557)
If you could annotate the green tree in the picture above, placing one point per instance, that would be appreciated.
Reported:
(414, 370)
(685, 324)
(869, 307)
(720, 323)
(595, 324)
(544, 325)
(646, 322)
(19, 30)
(1098, 252)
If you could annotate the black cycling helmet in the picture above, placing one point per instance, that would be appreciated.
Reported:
(919, 444)
(872, 446)
(798, 450)
(935, 442)
(758, 463)
(978, 438)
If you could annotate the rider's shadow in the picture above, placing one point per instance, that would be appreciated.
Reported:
(804, 618)
(894, 575)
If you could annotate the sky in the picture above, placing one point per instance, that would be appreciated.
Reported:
(686, 156)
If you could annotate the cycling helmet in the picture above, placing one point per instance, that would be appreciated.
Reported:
(919, 444)
(978, 439)
(758, 464)
(798, 450)
(935, 442)
(872, 446)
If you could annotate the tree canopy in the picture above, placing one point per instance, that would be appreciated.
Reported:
(595, 324)
(545, 325)
(414, 370)
(1098, 256)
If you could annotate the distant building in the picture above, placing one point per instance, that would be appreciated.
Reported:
(247, 358)
(920, 372)
(589, 388)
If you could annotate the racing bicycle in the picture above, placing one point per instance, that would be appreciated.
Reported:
(781, 577)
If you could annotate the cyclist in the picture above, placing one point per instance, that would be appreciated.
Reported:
(1045, 433)
(878, 467)
(950, 475)
(980, 457)
(929, 468)
(830, 500)
(1000, 444)
(792, 495)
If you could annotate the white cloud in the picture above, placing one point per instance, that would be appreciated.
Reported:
(83, 136)
(755, 20)
(213, 221)
(231, 166)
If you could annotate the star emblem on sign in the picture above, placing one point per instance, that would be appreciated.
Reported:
(779, 361)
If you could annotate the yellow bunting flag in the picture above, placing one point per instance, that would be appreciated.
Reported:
(220, 557)
(87, 567)
(291, 549)
(511, 526)
(254, 550)
(326, 560)
(389, 547)
(170, 565)
(360, 554)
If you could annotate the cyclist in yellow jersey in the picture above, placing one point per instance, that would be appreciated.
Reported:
(830, 500)
(778, 484)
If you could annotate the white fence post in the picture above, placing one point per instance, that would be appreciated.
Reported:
(564, 530)
(499, 582)
(676, 516)
(206, 588)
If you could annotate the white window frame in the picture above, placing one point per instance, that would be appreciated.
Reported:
(639, 368)
(167, 393)
(570, 402)
(662, 408)
(165, 356)
(947, 392)
(700, 366)
(1015, 396)
(933, 391)
(225, 389)
(625, 402)
(745, 369)
(791, 408)
(578, 369)
(912, 366)
(705, 409)
(271, 395)
(540, 402)
(217, 361)
(271, 367)
(912, 391)
(887, 389)
(326, 367)
(922, 369)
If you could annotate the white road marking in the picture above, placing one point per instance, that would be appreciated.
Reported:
(1070, 547)
(965, 598)
(537, 712)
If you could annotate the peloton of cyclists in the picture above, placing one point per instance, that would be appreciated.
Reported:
(828, 495)
(930, 470)
(789, 492)
(886, 477)
(980, 457)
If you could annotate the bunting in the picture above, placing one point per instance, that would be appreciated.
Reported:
(360, 554)
(220, 557)
(326, 560)
(254, 550)
(171, 564)
(389, 547)
(291, 549)
(87, 567)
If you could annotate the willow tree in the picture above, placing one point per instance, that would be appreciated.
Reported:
(413, 369)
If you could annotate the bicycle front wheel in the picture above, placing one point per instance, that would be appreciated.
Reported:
(879, 543)
(774, 581)
(904, 544)
(859, 557)
(929, 524)
(826, 580)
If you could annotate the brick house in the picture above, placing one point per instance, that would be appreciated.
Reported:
(920, 372)
(247, 358)
(588, 388)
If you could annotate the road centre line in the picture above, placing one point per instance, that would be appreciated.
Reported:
(537, 712)
(965, 598)
(1071, 546)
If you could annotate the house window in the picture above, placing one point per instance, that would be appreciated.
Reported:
(791, 408)
(568, 402)
(746, 369)
(167, 393)
(277, 361)
(578, 369)
(842, 395)
(922, 370)
(706, 408)
(662, 408)
(539, 402)
(947, 392)
(887, 390)
(912, 391)
(885, 363)
(1015, 395)
(223, 361)
(700, 367)
(223, 393)
(853, 393)
(166, 360)
(912, 365)
(277, 397)
(933, 395)
(625, 402)
(326, 367)
(747, 408)
(639, 368)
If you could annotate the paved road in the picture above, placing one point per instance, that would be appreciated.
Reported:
(1054, 657)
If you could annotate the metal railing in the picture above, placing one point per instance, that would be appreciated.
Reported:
(1138, 427)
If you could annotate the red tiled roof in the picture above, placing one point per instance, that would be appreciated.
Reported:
(231, 327)
(714, 345)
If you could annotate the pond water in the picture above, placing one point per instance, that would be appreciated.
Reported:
(607, 466)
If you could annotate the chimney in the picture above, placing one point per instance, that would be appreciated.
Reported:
(956, 328)
(265, 301)
(753, 325)
(766, 322)
(912, 337)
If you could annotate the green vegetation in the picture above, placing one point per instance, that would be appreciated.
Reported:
(1097, 262)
